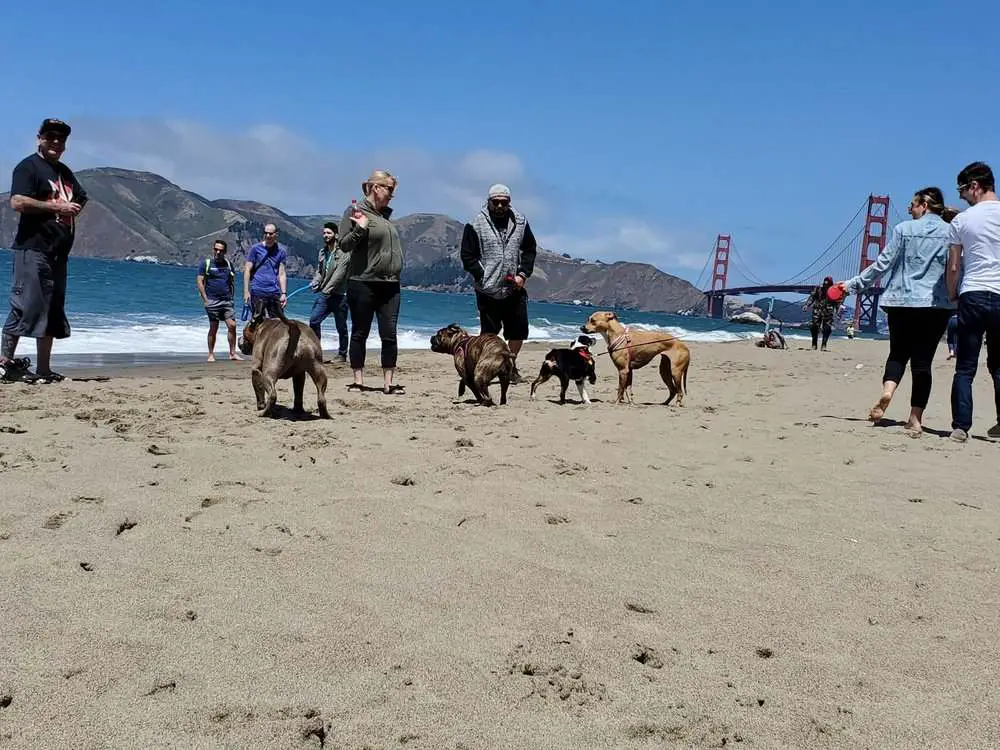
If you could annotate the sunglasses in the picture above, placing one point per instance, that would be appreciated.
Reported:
(270, 234)
(498, 202)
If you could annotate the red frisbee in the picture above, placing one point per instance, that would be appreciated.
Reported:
(835, 293)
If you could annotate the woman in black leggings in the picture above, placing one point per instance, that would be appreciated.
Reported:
(914, 299)
(376, 260)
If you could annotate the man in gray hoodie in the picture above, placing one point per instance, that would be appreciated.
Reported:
(498, 250)
(330, 283)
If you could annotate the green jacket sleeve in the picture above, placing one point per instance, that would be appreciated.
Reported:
(336, 273)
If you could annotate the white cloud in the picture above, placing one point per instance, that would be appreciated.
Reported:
(629, 238)
(272, 164)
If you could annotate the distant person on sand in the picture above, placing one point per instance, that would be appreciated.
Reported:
(217, 286)
(974, 259)
(823, 311)
(48, 198)
(498, 250)
(371, 240)
(915, 301)
(264, 279)
(330, 284)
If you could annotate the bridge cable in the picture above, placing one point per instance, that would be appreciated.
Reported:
(802, 274)
(743, 267)
(711, 255)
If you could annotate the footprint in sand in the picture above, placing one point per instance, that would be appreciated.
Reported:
(56, 520)
(647, 656)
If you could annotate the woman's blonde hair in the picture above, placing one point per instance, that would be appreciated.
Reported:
(379, 177)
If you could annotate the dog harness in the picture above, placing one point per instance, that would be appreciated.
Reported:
(627, 339)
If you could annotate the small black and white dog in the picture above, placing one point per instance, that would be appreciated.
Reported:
(575, 363)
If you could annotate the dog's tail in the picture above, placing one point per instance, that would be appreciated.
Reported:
(686, 375)
(293, 338)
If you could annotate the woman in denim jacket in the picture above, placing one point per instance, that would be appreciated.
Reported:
(915, 300)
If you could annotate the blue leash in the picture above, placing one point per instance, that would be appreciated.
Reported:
(245, 315)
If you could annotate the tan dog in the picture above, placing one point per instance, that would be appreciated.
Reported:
(630, 350)
(478, 359)
(284, 349)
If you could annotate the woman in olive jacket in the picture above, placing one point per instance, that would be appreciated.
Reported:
(376, 259)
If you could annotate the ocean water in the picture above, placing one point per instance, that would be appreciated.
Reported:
(142, 313)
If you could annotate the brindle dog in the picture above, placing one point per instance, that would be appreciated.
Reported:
(284, 349)
(478, 359)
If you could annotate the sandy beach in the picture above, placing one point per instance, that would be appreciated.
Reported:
(760, 568)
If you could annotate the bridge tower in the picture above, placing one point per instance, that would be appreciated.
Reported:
(866, 310)
(720, 273)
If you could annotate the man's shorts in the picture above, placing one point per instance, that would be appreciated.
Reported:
(37, 296)
(220, 310)
(510, 313)
(266, 306)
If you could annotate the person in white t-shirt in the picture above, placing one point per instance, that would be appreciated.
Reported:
(973, 278)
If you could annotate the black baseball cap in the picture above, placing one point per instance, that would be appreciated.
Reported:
(52, 125)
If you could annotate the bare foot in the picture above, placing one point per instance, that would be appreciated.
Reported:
(878, 411)
(235, 357)
(913, 429)
(211, 358)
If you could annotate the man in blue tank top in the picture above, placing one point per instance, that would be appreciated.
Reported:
(217, 287)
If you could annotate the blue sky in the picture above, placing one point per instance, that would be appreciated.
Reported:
(637, 131)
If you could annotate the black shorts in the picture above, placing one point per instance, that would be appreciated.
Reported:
(510, 313)
(37, 296)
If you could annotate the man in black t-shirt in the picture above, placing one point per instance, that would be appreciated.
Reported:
(48, 197)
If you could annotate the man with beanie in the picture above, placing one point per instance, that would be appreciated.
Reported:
(498, 251)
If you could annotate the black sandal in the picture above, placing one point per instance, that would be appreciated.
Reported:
(51, 376)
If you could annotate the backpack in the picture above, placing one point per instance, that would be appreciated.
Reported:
(229, 266)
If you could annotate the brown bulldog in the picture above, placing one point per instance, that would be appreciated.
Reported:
(283, 349)
(630, 350)
(478, 359)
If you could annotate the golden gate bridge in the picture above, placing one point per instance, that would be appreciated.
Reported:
(851, 252)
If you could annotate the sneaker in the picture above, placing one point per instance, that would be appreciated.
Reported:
(959, 435)
(994, 432)
(17, 371)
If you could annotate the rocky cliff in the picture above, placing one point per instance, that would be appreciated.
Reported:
(140, 215)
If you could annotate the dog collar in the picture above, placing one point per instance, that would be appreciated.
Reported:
(585, 353)
(461, 346)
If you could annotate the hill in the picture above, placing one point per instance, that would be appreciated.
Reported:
(140, 215)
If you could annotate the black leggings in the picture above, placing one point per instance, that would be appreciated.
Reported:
(366, 300)
(914, 335)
